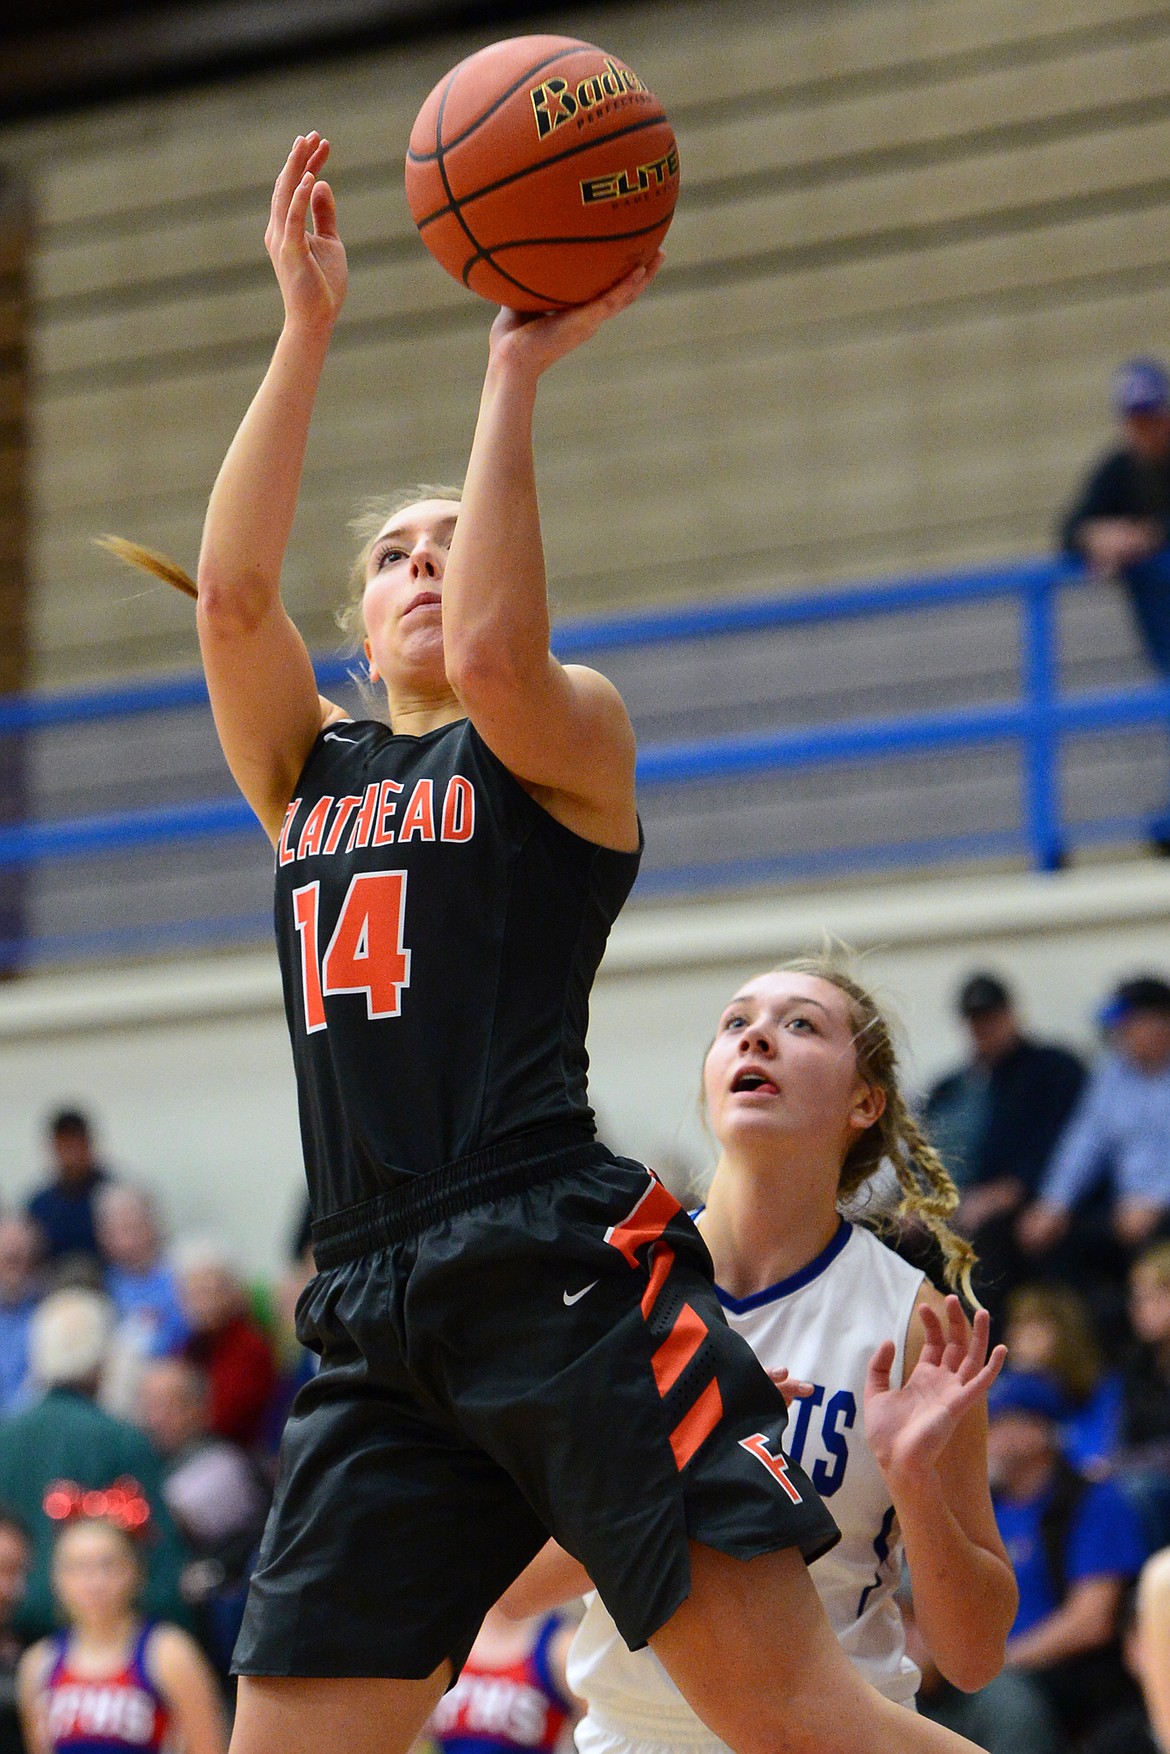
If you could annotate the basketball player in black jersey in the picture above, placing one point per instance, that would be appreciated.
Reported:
(517, 1330)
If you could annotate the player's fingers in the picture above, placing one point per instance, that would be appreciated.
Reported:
(791, 1387)
(979, 1340)
(290, 175)
(298, 207)
(877, 1376)
(932, 1328)
(983, 1379)
(324, 210)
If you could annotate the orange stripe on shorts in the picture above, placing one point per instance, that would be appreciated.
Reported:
(659, 1273)
(678, 1348)
(697, 1425)
(645, 1223)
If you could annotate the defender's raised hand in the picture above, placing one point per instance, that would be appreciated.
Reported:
(310, 263)
(908, 1428)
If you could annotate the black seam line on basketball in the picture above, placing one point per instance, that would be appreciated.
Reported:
(553, 158)
(430, 157)
(441, 167)
(482, 255)
(611, 237)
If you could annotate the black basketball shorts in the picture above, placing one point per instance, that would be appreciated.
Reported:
(525, 1343)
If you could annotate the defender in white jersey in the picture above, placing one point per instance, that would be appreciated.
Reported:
(887, 1380)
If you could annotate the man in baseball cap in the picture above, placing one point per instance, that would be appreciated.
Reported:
(1120, 523)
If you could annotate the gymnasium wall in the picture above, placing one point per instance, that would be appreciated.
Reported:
(186, 1067)
(915, 236)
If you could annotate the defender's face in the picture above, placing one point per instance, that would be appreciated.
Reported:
(402, 603)
(783, 1064)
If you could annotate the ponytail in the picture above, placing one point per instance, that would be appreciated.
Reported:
(133, 554)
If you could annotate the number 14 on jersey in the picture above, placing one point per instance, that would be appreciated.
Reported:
(366, 953)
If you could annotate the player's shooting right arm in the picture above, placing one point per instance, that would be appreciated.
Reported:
(263, 693)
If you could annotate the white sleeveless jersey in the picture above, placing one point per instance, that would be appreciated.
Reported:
(824, 1324)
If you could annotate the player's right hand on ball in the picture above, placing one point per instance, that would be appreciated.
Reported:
(534, 340)
(310, 263)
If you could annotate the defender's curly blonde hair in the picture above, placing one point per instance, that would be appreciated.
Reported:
(927, 1192)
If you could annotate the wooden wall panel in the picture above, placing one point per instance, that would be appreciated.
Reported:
(915, 237)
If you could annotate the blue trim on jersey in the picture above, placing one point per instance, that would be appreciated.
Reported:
(795, 1281)
(550, 1626)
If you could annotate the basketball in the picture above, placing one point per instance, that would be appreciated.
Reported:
(540, 171)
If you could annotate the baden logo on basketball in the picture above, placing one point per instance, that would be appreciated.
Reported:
(555, 101)
(621, 185)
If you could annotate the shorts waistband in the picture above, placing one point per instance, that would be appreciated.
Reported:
(456, 1187)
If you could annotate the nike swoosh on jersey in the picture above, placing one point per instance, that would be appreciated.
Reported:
(575, 1296)
(332, 737)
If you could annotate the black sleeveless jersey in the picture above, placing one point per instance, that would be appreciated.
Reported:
(438, 933)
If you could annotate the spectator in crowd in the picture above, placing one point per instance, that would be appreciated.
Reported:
(20, 1246)
(15, 1558)
(215, 1493)
(213, 1490)
(1050, 1329)
(1145, 1416)
(995, 1121)
(67, 1436)
(143, 1288)
(1074, 1544)
(1144, 1435)
(1120, 523)
(64, 1209)
(114, 1680)
(511, 1696)
(1121, 1126)
(227, 1343)
(140, 1280)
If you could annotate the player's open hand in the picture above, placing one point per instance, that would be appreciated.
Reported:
(532, 340)
(791, 1387)
(302, 239)
(908, 1428)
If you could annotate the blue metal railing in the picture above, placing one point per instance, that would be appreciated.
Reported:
(1037, 721)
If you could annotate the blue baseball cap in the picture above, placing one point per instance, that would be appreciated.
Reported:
(1026, 1391)
(1141, 386)
(1144, 992)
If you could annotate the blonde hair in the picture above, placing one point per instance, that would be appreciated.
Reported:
(366, 526)
(1076, 1359)
(926, 1190)
(1154, 1264)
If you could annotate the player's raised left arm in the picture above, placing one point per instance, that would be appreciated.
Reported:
(929, 1438)
(561, 730)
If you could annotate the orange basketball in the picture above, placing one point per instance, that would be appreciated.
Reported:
(540, 171)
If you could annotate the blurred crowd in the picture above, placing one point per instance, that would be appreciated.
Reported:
(130, 1364)
(124, 1357)
(1063, 1172)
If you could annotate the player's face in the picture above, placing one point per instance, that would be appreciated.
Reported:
(783, 1067)
(94, 1574)
(401, 605)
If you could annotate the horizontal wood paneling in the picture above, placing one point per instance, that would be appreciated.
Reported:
(914, 239)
